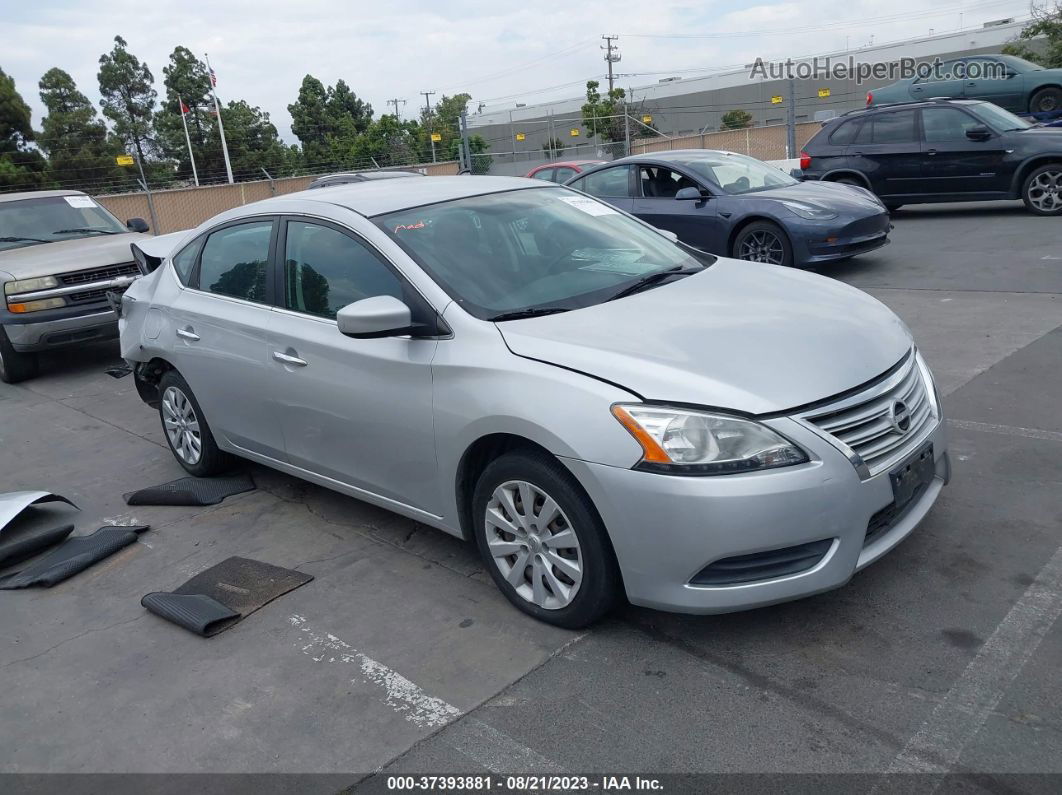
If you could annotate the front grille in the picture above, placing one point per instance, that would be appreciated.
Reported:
(763, 565)
(99, 294)
(863, 422)
(100, 274)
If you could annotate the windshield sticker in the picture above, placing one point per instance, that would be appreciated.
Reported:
(617, 260)
(588, 206)
(417, 225)
(79, 201)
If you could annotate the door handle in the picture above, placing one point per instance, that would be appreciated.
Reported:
(188, 334)
(295, 361)
(931, 152)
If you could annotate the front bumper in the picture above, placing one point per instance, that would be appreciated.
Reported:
(816, 243)
(665, 529)
(38, 331)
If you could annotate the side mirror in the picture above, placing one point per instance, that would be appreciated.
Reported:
(979, 133)
(379, 316)
(687, 194)
(137, 225)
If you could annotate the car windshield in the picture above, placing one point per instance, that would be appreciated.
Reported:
(736, 174)
(998, 118)
(534, 250)
(47, 219)
(1020, 65)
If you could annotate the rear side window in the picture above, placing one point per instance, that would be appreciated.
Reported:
(545, 174)
(184, 262)
(845, 133)
(564, 174)
(235, 260)
(889, 128)
(610, 183)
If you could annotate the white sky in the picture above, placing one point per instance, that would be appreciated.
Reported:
(499, 52)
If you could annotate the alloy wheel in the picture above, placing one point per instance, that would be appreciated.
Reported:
(762, 246)
(533, 544)
(181, 426)
(1045, 191)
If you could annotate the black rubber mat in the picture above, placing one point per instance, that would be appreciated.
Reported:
(191, 491)
(239, 585)
(119, 371)
(194, 611)
(73, 555)
(19, 549)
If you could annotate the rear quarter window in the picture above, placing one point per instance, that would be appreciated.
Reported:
(845, 133)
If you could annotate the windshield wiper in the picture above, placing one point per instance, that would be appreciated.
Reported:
(84, 229)
(537, 311)
(653, 278)
(17, 239)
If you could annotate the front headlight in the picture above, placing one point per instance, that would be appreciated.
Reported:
(930, 384)
(812, 212)
(29, 285)
(686, 442)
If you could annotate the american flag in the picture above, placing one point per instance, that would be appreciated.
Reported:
(213, 77)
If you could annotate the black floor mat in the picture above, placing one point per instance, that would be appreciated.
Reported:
(73, 555)
(238, 585)
(191, 491)
(19, 549)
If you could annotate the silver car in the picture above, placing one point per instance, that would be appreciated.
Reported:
(606, 412)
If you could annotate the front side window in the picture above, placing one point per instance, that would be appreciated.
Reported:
(946, 124)
(611, 183)
(736, 174)
(662, 183)
(532, 249)
(564, 174)
(235, 259)
(939, 73)
(325, 269)
(49, 219)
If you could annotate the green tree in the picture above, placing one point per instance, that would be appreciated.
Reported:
(387, 141)
(735, 120)
(80, 153)
(253, 142)
(445, 120)
(1047, 23)
(603, 116)
(343, 104)
(477, 148)
(553, 146)
(186, 79)
(20, 165)
(128, 97)
(328, 120)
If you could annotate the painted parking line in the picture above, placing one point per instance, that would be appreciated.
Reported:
(939, 743)
(1006, 430)
(497, 751)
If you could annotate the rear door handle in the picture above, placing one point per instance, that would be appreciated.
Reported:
(931, 152)
(294, 361)
(188, 334)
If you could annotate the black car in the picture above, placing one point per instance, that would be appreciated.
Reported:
(940, 151)
(329, 180)
(734, 205)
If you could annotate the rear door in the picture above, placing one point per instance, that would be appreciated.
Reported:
(614, 185)
(221, 323)
(990, 79)
(888, 151)
(697, 223)
(358, 411)
(953, 164)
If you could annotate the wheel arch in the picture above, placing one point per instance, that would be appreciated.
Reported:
(839, 173)
(1028, 165)
(752, 219)
(146, 376)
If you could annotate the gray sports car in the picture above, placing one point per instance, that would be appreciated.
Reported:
(740, 207)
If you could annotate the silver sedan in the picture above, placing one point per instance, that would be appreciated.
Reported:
(604, 411)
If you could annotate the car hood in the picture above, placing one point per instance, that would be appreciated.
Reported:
(64, 256)
(744, 336)
(835, 195)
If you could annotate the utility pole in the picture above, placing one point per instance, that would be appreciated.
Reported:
(395, 102)
(612, 55)
(465, 149)
(790, 120)
(431, 121)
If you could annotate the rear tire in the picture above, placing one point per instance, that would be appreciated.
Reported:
(763, 241)
(186, 430)
(570, 583)
(1042, 190)
(15, 366)
(1046, 100)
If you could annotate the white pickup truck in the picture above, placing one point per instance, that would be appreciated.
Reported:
(60, 254)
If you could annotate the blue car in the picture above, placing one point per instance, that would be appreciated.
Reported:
(740, 207)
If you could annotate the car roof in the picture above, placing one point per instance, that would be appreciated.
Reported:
(37, 194)
(673, 155)
(919, 103)
(390, 195)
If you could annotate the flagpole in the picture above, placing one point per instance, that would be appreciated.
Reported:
(187, 139)
(221, 127)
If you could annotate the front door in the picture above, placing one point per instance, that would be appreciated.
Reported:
(358, 411)
(991, 80)
(954, 164)
(219, 335)
(696, 222)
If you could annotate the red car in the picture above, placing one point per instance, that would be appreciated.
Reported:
(562, 172)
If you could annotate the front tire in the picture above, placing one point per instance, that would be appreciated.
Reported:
(542, 541)
(186, 430)
(763, 241)
(1042, 190)
(15, 366)
(1046, 100)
